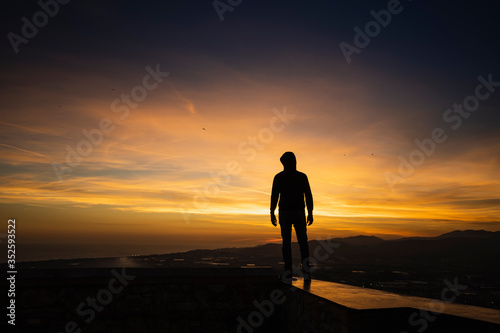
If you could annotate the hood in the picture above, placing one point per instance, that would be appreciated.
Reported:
(289, 161)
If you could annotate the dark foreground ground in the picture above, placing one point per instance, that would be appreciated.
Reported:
(222, 299)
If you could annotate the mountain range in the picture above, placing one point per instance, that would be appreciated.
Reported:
(458, 248)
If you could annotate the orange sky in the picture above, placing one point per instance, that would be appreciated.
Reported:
(151, 174)
(146, 181)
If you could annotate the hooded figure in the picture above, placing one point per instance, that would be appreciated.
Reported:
(291, 186)
(292, 189)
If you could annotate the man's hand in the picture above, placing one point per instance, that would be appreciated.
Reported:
(273, 219)
(310, 219)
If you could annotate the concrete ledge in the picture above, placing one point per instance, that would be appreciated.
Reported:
(332, 307)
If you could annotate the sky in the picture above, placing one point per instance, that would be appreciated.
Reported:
(148, 122)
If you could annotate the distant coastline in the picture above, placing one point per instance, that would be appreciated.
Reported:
(45, 252)
(53, 252)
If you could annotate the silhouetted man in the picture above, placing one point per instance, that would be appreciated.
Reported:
(291, 187)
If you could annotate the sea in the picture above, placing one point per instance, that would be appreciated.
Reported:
(39, 252)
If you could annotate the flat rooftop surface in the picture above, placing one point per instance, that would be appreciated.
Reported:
(366, 298)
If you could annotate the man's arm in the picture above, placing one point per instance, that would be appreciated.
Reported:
(274, 200)
(309, 201)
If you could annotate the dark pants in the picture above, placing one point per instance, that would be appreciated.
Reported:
(298, 220)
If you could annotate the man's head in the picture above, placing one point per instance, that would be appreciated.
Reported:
(289, 161)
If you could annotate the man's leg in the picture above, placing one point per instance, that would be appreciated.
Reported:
(301, 231)
(286, 234)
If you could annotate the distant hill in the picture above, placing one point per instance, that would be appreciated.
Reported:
(457, 234)
(469, 234)
(359, 240)
(462, 248)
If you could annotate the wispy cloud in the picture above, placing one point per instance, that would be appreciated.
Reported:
(23, 150)
(187, 103)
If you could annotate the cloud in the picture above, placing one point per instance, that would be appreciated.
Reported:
(188, 104)
(351, 125)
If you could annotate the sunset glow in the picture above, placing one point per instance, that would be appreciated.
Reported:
(192, 162)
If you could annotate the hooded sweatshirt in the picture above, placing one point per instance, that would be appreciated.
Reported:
(291, 186)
